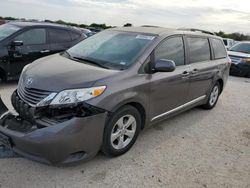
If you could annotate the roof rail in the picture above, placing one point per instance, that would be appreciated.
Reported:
(195, 30)
(149, 26)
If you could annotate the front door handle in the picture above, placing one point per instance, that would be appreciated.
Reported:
(185, 74)
(44, 51)
(195, 71)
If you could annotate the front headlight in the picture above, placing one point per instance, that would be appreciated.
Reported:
(77, 95)
(246, 60)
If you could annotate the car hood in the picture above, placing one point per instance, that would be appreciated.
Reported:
(238, 54)
(56, 73)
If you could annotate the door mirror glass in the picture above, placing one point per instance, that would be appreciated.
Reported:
(164, 65)
(16, 43)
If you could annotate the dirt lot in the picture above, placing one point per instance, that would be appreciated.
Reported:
(195, 149)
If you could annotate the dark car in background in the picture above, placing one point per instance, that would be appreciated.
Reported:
(240, 56)
(23, 42)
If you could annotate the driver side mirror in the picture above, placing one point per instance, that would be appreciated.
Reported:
(16, 43)
(164, 65)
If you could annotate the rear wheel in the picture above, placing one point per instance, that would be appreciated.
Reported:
(213, 96)
(121, 131)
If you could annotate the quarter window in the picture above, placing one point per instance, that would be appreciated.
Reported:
(219, 49)
(59, 36)
(199, 49)
(171, 49)
(32, 37)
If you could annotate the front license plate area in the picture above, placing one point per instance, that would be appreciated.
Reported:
(4, 140)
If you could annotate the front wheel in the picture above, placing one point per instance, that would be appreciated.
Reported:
(213, 96)
(121, 131)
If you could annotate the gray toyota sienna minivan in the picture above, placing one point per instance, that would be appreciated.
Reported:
(102, 92)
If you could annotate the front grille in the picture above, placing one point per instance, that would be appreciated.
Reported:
(235, 59)
(22, 108)
(29, 113)
(30, 95)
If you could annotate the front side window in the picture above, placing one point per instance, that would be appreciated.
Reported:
(7, 30)
(171, 49)
(32, 37)
(219, 49)
(114, 49)
(199, 49)
(59, 36)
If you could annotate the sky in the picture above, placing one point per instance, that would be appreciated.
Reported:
(213, 15)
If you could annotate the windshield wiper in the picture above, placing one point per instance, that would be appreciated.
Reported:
(67, 53)
(239, 51)
(91, 62)
(244, 52)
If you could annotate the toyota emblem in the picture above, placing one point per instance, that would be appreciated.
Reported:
(29, 81)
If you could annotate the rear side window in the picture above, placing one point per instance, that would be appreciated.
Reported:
(32, 37)
(219, 49)
(199, 49)
(59, 36)
(74, 36)
(171, 49)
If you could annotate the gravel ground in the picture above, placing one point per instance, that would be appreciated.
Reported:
(197, 148)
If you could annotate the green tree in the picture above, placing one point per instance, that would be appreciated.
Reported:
(128, 25)
(10, 18)
(235, 36)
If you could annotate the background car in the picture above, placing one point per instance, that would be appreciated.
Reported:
(23, 42)
(240, 56)
(228, 42)
(87, 32)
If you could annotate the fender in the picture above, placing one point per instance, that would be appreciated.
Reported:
(218, 76)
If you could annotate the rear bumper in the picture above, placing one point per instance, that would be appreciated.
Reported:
(70, 141)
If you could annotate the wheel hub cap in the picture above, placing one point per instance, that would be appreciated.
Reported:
(214, 95)
(123, 132)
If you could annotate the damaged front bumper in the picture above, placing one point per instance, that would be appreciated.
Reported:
(72, 140)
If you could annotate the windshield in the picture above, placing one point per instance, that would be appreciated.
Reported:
(241, 47)
(6, 30)
(112, 49)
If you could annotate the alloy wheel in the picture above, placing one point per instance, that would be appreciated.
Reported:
(214, 95)
(123, 132)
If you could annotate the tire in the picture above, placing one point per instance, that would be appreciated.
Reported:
(213, 97)
(115, 139)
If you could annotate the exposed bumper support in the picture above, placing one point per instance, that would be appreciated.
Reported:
(69, 141)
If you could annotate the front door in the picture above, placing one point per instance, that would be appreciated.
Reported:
(34, 46)
(169, 90)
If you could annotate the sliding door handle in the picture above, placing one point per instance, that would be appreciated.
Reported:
(44, 51)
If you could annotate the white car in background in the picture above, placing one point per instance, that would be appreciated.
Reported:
(228, 42)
